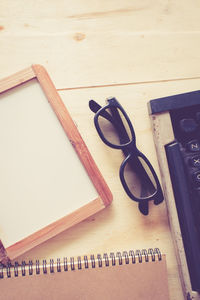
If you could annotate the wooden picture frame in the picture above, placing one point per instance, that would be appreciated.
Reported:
(104, 196)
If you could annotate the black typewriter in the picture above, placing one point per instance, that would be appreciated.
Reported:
(183, 157)
(186, 126)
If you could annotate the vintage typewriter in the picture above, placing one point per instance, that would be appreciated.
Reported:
(176, 128)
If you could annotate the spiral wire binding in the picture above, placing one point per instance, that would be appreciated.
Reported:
(113, 259)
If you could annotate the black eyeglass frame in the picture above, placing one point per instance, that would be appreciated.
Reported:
(130, 148)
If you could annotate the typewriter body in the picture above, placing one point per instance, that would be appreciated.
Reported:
(176, 130)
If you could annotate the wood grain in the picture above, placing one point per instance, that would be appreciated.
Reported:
(135, 51)
(96, 59)
(16, 79)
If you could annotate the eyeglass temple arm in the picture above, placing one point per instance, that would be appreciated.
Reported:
(118, 123)
(124, 138)
(95, 107)
(143, 175)
(115, 120)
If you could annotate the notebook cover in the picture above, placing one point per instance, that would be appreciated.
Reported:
(139, 280)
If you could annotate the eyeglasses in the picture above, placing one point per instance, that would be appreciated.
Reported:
(137, 175)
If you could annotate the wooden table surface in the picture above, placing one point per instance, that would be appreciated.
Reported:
(133, 50)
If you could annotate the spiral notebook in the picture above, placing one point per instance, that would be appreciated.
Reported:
(127, 275)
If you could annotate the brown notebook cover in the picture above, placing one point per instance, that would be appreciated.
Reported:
(133, 275)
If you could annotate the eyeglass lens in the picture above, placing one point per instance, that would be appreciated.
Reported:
(116, 130)
(139, 184)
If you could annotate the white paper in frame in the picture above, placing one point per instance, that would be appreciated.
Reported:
(44, 162)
